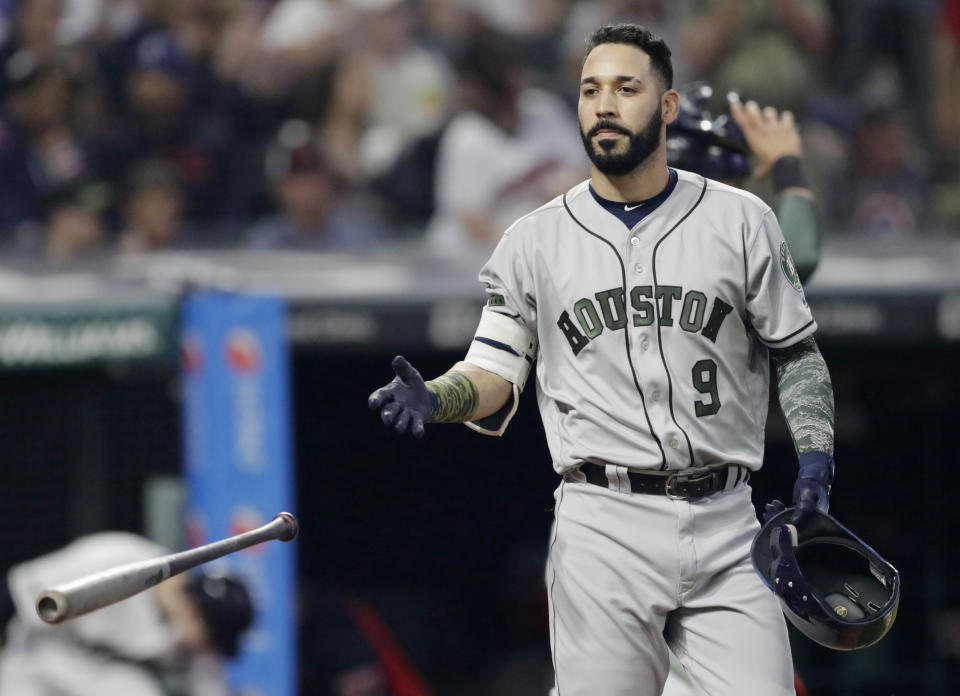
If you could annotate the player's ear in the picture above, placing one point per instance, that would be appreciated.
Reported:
(670, 105)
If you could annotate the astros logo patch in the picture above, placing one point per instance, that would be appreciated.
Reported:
(789, 270)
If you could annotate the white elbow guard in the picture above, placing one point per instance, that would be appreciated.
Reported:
(504, 346)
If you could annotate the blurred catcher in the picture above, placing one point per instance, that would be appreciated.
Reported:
(721, 147)
(170, 640)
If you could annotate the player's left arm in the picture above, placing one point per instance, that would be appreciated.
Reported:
(806, 398)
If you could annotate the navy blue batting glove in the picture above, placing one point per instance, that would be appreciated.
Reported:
(812, 488)
(405, 403)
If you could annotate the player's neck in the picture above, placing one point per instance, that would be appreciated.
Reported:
(646, 181)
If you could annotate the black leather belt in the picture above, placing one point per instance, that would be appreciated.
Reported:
(685, 484)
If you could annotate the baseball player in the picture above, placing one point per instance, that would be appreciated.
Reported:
(656, 304)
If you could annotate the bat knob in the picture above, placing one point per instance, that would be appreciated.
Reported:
(292, 527)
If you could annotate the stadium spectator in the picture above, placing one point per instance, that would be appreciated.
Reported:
(263, 51)
(313, 212)
(34, 30)
(50, 32)
(38, 150)
(946, 73)
(193, 24)
(81, 21)
(74, 222)
(164, 117)
(205, 85)
(444, 25)
(533, 25)
(767, 51)
(303, 34)
(889, 37)
(884, 188)
(151, 212)
(338, 102)
(512, 149)
(945, 111)
(172, 638)
(409, 84)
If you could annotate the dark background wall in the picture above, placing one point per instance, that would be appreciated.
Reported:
(446, 536)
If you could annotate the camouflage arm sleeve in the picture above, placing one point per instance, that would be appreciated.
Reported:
(806, 395)
(457, 398)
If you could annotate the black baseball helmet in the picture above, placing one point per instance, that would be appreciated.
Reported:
(834, 588)
(700, 142)
(225, 605)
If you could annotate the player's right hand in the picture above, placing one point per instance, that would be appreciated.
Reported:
(405, 403)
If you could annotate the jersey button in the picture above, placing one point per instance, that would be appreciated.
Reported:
(638, 268)
(656, 397)
(634, 241)
(645, 344)
(674, 443)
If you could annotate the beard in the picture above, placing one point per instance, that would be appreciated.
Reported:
(640, 145)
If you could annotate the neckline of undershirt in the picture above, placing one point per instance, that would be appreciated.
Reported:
(630, 213)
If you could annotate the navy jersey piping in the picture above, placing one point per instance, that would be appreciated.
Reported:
(787, 338)
(553, 581)
(626, 333)
(496, 344)
(746, 274)
(656, 305)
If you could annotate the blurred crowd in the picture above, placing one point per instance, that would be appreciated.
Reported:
(128, 126)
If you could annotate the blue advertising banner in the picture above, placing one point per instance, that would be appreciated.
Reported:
(239, 465)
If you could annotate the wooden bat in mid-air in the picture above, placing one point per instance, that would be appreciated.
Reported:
(92, 592)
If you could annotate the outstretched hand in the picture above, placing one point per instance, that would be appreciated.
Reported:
(405, 403)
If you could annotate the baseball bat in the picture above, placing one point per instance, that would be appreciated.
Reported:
(95, 591)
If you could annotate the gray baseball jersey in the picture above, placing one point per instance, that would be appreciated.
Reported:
(652, 341)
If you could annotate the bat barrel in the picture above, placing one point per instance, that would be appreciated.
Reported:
(52, 606)
(98, 590)
(95, 591)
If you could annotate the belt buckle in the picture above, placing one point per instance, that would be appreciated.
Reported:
(695, 478)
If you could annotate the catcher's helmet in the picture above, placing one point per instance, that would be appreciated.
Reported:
(226, 607)
(834, 588)
(697, 141)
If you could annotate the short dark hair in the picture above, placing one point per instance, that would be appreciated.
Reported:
(642, 38)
